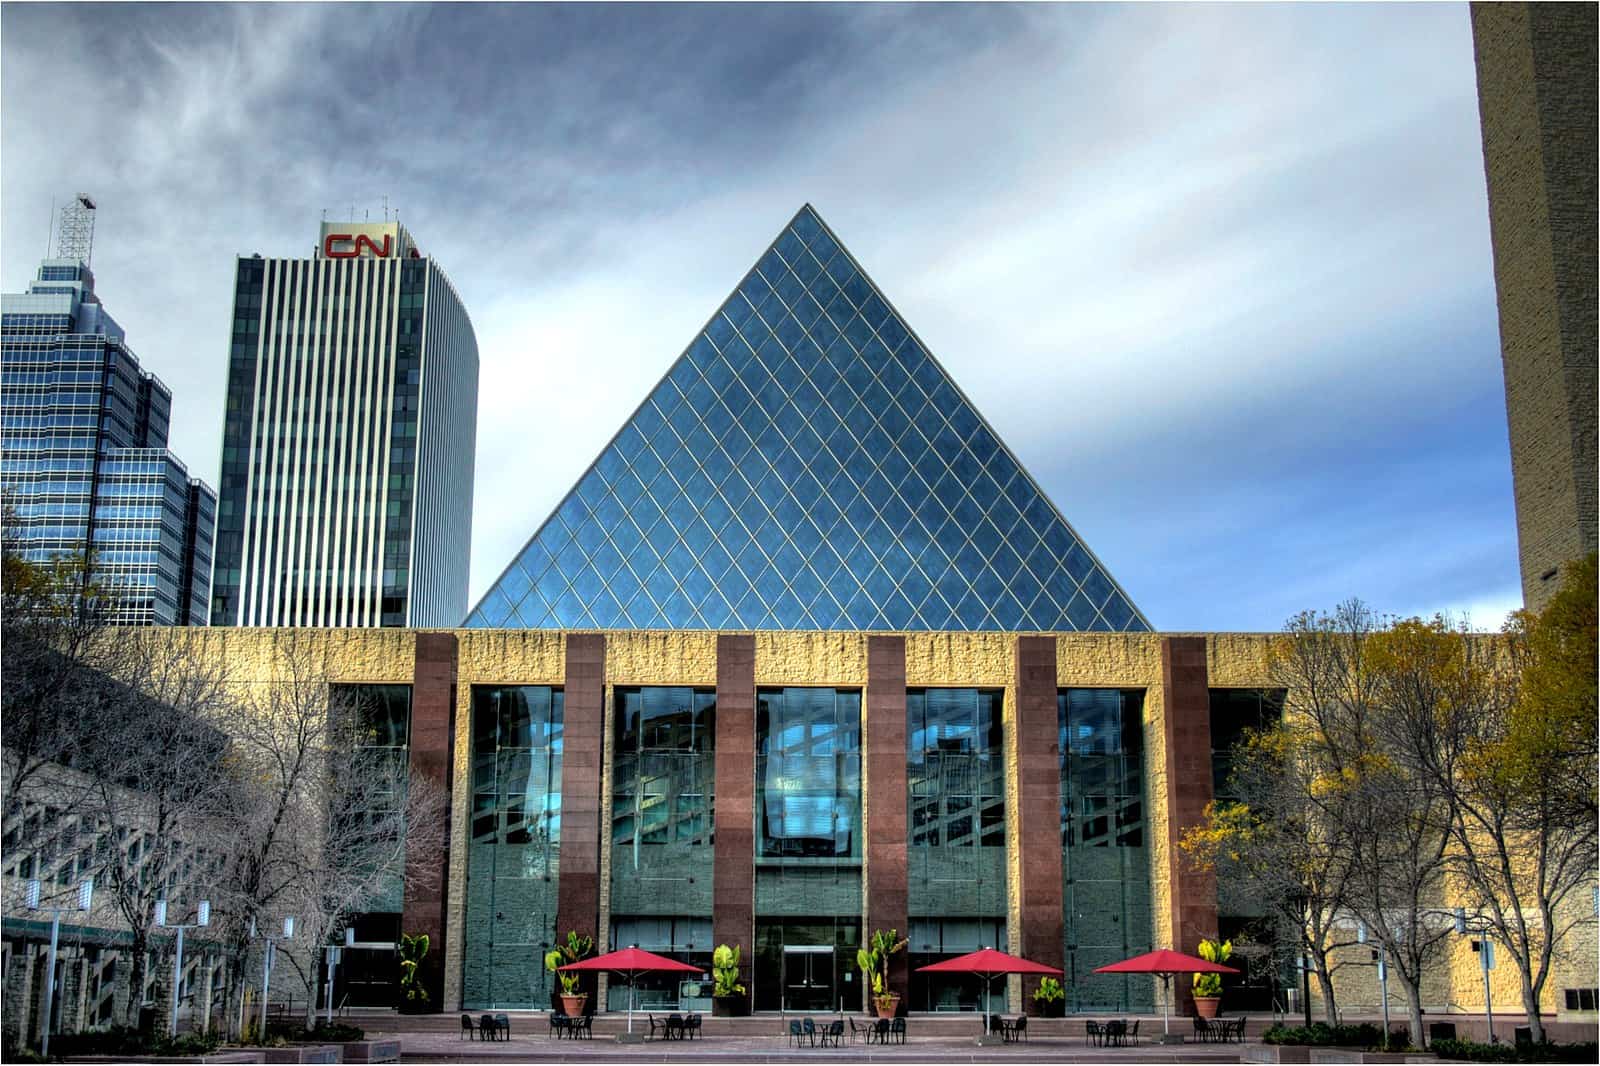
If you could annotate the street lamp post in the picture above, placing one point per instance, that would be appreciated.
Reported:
(202, 918)
(335, 953)
(1383, 980)
(266, 964)
(1485, 948)
(85, 898)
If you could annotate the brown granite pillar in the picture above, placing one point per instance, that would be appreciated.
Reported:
(888, 902)
(433, 703)
(733, 880)
(1038, 821)
(1187, 730)
(583, 750)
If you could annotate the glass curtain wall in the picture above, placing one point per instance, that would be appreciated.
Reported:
(513, 860)
(1105, 856)
(956, 857)
(381, 715)
(808, 848)
(662, 833)
(1267, 965)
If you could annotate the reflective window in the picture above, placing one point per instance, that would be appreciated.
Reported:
(808, 772)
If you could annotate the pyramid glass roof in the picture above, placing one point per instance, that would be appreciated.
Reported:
(806, 464)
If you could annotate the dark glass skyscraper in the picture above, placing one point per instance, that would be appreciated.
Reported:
(85, 467)
(348, 442)
(807, 464)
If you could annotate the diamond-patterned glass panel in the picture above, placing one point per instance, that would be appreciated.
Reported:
(806, 464)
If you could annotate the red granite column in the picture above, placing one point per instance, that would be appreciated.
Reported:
(433, 702)
(884, 735)
(733, 880)
(1188, 739)
(1038, 822)
(583, 748)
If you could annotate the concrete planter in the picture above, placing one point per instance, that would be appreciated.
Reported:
(1302, 1053)
(372, 1051)
(303, 1053)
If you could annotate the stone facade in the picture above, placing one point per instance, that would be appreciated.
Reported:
(1173, 671)
(1537, 102)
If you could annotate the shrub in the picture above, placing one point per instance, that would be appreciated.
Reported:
(1469, 1051)
(1321, 1034)
(121, 1041)
(323, 1033)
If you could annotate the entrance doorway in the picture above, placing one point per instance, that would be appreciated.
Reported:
(808, 979)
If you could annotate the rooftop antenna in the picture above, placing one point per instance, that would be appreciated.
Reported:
(75, 237)
(51, 228)
(386, 207)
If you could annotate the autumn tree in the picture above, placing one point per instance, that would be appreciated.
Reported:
(1271, 850)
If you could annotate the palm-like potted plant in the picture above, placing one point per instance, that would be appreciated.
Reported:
(1050, 998)
(413, 993)
(874, 963)
(727, 995)
(576, 947)
(1208, 986)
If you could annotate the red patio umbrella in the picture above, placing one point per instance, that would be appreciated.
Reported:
(988, 962)
(633, 962)
(1164, 964)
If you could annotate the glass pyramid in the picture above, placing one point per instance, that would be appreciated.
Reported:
(806, 464)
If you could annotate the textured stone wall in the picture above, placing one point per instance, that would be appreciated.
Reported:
(1537, 105)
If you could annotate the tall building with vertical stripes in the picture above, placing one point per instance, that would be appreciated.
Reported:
(348, 440)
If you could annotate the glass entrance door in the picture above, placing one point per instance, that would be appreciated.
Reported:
(808, 979)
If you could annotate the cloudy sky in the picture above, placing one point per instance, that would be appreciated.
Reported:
(1220, 276)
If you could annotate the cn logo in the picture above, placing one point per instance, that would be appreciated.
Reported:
(356, 242)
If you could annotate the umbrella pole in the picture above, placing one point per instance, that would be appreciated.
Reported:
(1166, 1000)
(630, 1003)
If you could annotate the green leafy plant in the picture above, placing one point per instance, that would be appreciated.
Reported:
(873, 960)
(413, 949)
(1049, 991)
(574, 949)
(725, 969)
(1210, 984)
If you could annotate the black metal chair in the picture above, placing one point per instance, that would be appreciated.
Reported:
(1116, 1033)
(502, 1024)
(675, 1026)
(1132, 1035)
(880, 1031)
(486, 1027)
(897, 1028)
(1093, 1031)
(859, 1030)
(691, 1026)
(583, 1027)
(1017, 1030)
(658, 1026)
(560, 1024)
(833, 1035)
(794, 1031)
(468, 1030)
(809, 1027)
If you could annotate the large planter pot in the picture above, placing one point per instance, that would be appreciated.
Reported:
(1206, 1006)
(572, 1006)
(1054, 1009)
(729, 1006)
(887, 1004)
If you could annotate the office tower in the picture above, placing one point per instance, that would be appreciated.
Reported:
(347, 450)
(807, 464)
(85, 469)
(1536, 102)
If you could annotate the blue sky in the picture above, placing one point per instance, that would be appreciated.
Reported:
(1219, 275)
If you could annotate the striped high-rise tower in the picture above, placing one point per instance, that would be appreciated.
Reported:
(348, 444)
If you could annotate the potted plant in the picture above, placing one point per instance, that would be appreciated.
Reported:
(413, 994)
(1050, 998)
(874, 963)
(727, 995)
(1208, 986)
(576, 948)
